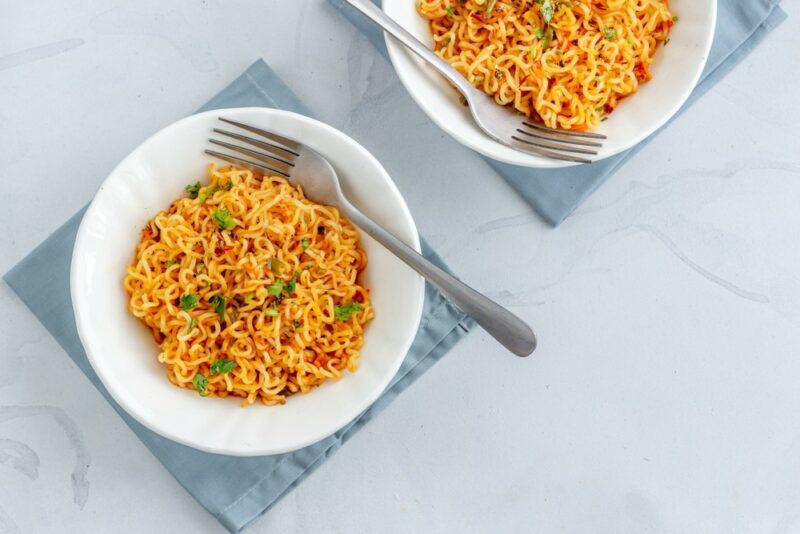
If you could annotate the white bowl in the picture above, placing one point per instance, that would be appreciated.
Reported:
(676, 69)
(121, 349)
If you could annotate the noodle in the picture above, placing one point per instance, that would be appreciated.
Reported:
(566, 63)
(250, 289)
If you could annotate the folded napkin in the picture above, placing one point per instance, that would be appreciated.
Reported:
(235, 490)
(555, 193)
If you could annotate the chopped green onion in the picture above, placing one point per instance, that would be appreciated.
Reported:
(273, 312)
(191, 326)
(450, 11)
(201, 267)
(306, 243)
(538, 32)
(490, 7)
(611, 33)
(675, 18)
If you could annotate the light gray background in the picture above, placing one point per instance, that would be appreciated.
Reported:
(665, 394)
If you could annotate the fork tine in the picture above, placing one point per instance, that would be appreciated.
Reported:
(245, 163)
(568, 133)
(292, 145)
(259, 156)
(560, 139)
(525, 146)
(554, 146)
(269, 147)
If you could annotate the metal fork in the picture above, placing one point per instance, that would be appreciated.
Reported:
(275, 154)
(499, 122)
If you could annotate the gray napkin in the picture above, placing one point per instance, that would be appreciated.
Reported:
(555, 193)
(235, 490)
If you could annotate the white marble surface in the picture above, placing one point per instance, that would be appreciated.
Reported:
(664, 396)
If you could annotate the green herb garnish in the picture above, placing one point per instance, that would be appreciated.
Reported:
(306, 243)
(296, 324)
(228, 186)
(275, 289)
(193, 189)
(222, 366)
(675, 18)
(188, 302)
(191, 326)
(546, 10)
(275, 265)
(223, 219)
(450, 11)
(201, 267)
(344, 312)
(538, 32)
(207, 192)
(219, 306)
(611, 33)
(292, 283)
(490, 7)
(200, 384)
(273, 312)
(629, 39)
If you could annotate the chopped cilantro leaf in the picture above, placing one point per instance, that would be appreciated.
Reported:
(222, 366)
(219, 306)
(223, 219)
(188, 302)
(344, 312)
(546, 10)
(193, 189)
(275, 289)
(200, 384)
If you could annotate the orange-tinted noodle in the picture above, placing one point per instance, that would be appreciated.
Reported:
(250, 289)
(566, 63)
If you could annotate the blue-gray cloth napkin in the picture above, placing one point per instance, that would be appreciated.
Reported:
(555, 193)
(235, 490)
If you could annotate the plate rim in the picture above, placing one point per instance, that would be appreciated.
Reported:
(83, 328)
(397, 51)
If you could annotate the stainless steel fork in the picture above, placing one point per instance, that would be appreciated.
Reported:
(275, 154)
(499, 122)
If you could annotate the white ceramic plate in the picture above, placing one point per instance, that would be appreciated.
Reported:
(676, 69)
(121, 349)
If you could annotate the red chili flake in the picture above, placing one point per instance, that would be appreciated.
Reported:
(607, 109)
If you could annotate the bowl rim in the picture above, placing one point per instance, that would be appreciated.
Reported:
(84, 328)
(399, 53)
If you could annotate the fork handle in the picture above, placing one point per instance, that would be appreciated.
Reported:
(503, 325)
(376, 15)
